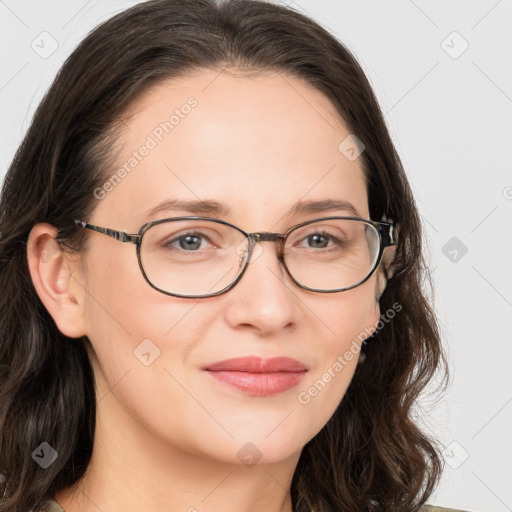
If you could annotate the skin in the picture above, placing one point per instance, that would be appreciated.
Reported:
(167, 437)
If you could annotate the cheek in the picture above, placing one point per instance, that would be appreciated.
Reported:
(131, 325)
(348, 321)
(349, 316)
(142, 340)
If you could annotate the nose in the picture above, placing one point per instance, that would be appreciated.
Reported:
(264, 300)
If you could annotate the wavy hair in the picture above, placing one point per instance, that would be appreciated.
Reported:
(371, 455)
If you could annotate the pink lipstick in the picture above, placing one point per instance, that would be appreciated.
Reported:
(258, 377)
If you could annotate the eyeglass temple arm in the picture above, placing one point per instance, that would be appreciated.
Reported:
(118, 235)
(389, 234)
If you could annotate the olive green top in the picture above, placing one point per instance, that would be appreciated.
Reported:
(428, 508)
(54, 507)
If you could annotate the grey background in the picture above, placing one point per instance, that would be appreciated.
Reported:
(448, 109)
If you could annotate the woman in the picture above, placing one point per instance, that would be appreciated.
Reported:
(212, 285)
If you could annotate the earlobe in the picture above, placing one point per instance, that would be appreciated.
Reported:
(380, 285)
(53, 280)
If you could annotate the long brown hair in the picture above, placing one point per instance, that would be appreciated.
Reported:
(371, 455)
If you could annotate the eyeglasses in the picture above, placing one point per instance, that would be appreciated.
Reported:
(195, 257)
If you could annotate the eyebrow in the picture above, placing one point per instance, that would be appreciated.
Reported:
(199, 206)
(211, 206)
(323, 206)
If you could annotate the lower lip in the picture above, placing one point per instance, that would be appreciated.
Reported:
(259, 384)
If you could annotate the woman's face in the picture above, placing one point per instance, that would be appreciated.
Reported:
(256, 145)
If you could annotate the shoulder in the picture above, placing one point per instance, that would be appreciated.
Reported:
(53, 506)
(433, 508)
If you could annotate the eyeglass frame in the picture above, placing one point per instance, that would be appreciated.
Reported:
(387, 235)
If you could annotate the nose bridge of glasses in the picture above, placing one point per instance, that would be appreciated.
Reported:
(265, 236)
(253, 239)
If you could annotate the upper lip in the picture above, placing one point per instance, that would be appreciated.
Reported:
(254, 364)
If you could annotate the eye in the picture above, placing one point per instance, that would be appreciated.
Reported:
(189, 242)
(318, 240)
(321, 240)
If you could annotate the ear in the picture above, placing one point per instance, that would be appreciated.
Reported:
(59, 291)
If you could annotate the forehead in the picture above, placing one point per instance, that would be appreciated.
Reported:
(258, 144)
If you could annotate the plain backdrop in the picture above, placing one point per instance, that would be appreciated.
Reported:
(442, 73)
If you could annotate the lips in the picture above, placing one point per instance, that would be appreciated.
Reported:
(258, 365)
(256, 376)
